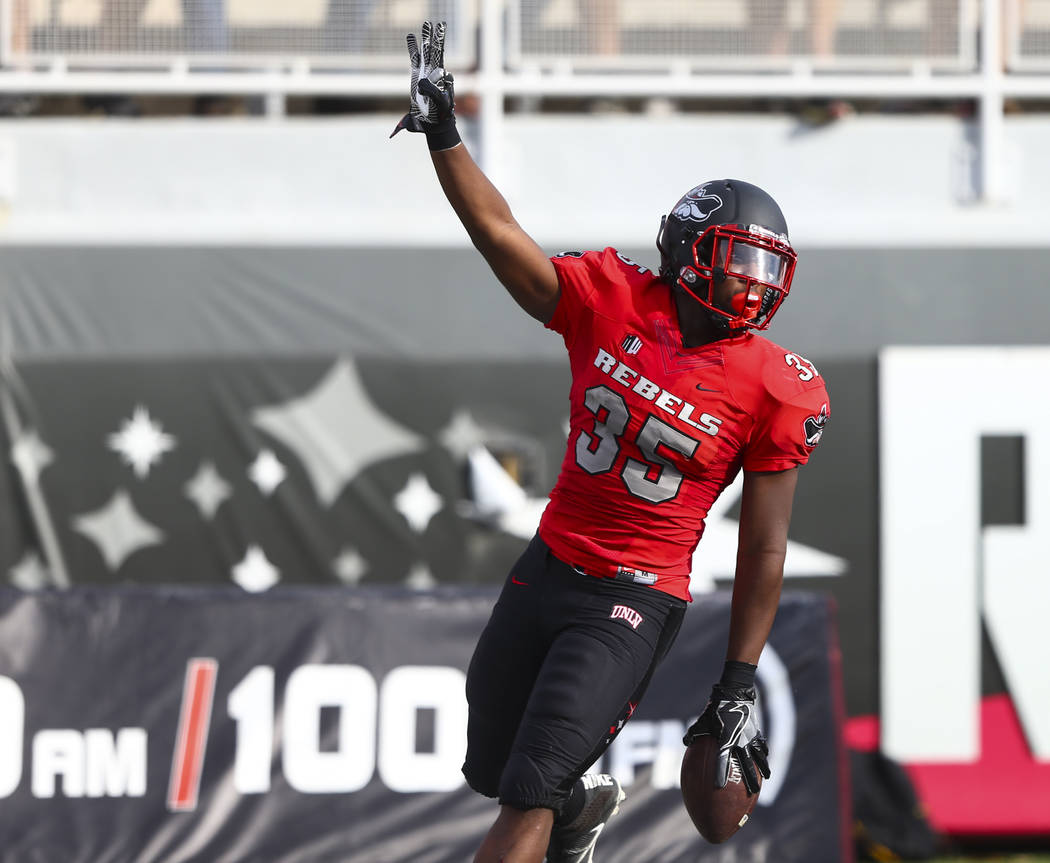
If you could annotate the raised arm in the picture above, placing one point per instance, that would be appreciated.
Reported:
(520, 264)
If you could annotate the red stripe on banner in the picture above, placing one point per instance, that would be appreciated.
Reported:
(192, 736)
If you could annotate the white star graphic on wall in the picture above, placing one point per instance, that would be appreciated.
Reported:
(336, 431)
(267, 472)
(30, 573)
(207, 489)
(420, 577)
(255, 573)
(141, 442)
(30, 455)
(418, 502)
(350, 567)
(461, 435)
(118, 530)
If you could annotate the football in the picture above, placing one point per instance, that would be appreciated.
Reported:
(716, 812)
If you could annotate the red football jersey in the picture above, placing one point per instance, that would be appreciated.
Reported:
(658, 430)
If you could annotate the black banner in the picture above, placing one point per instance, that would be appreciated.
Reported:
(358, 472)
(307, 725)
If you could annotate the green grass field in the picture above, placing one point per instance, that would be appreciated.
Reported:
(997, 858)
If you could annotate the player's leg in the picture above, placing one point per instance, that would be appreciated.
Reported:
(535, 779)
(596, 671)
(502, 671)
(594, 798)
(518, 836)
(530, 737)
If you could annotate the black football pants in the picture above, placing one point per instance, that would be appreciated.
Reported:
(559, 668)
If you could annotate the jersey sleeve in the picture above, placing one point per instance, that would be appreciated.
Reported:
(578, 276)
(787, 435)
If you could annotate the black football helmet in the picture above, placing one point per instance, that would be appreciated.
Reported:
(728, 229)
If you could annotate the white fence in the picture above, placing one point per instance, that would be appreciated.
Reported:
(985, 50)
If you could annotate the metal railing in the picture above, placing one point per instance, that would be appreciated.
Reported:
(742, 35)
(981, 50)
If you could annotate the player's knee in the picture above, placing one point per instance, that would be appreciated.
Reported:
(481, 775)
(525, 786)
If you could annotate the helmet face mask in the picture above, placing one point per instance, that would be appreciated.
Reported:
(725, 244)
(739, 274)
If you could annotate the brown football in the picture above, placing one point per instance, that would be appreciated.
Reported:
(717, 812)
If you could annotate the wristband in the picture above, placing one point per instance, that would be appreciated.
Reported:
(444, 138)
(738, 675)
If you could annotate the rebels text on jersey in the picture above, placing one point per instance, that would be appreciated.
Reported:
(658, 430)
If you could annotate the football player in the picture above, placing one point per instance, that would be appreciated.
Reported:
(673, 393)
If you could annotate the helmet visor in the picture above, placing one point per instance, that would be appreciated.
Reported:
(740, 272)
(743, 260)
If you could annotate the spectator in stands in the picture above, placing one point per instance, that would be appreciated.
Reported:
(205, 26)
(203, 23)
(768, 19)
(19, 104)
(773, 36)
(943, 34)
(351, 21)
(942, 28)
(204, 31)
(1013, 26)
(19, 22)
(601, 18)
(599, 24)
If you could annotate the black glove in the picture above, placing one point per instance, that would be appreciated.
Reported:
(731, 717)
(432, 95)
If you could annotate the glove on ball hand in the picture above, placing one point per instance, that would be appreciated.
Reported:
(731, 717)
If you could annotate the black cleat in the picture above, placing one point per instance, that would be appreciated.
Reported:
(574, 842)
